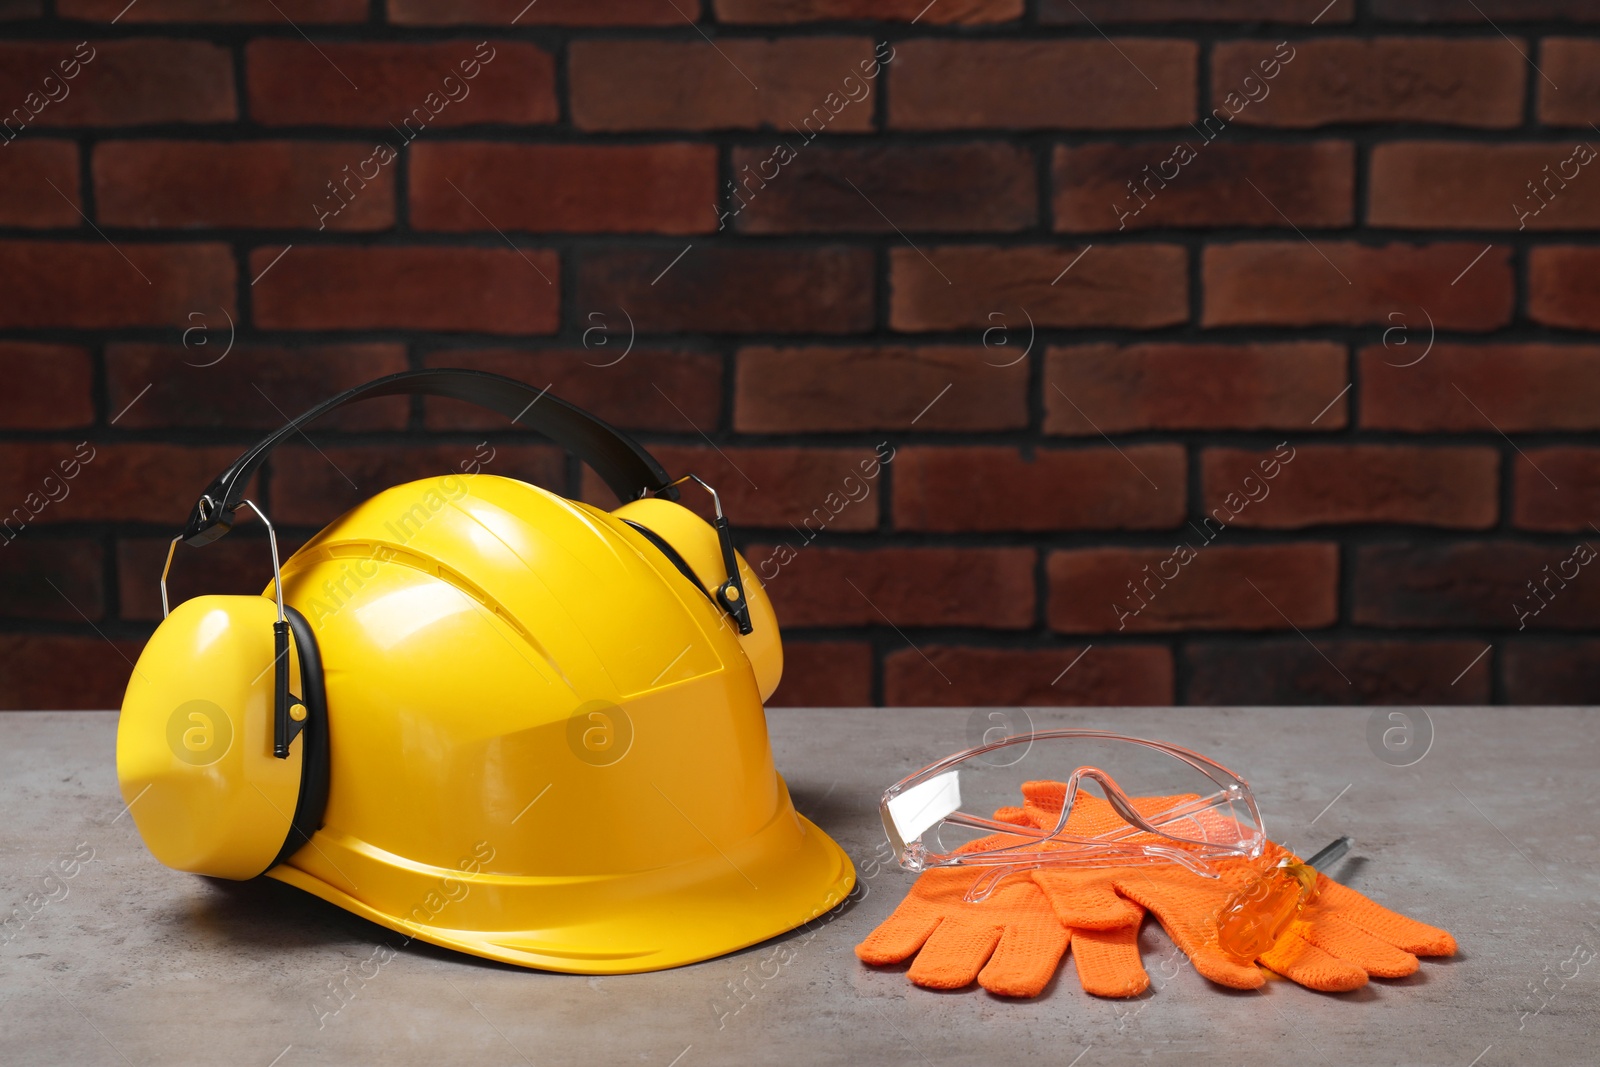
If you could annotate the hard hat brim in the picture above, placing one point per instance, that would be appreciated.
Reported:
(698, 921)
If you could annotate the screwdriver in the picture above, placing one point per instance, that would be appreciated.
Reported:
(1256, 915)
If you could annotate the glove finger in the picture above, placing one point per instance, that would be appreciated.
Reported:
(1108, 962)
(953, 954)
(1355, 946)
(1302, 962)
(1417, 938)
(899, 936)
(1086, 900)
(1026, 957)
(1187, 914)
(1186, 906)
(1223, 969)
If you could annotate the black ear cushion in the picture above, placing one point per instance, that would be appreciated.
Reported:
(313, 799)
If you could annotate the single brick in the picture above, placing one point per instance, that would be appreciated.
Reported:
(799, 491)
(242, 184)
(1453, 487)
(51, 580)
(1498, 10)
(733, 288)
(256, 386)
(1563, 287)
(649, 389)
(1261, 283)
(1001, 290)
(134, 82)
(824, 674)
(1095, 12)
(1106, 388)
(64, 671)
(1570, 62)
(943, 83)
(313, 486)
(655, 188)
(949, 489)
(28, 169)
(238, 565)
(44, 482)
(1551, 672)
(478, 290)
(1501, 585)
(266, 12)
(788, 188)
(1443, 185)
(1285, 671)
(801, 85)
(953, 12)
(814, 585)
(543, 13)
(17, 10)
(1107, 676)
(1215, 587)
(1189, 181)
(402, 90)
(821, 390)
(1527, 387)
(1556, 488)
(1451, 81)
(48, 386)
(90, 284)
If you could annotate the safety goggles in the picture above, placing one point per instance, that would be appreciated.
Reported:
(1166, 805)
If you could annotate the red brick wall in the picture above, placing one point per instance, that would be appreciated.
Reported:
(1229, 350)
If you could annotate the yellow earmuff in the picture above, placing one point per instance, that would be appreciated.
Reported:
(195, 741)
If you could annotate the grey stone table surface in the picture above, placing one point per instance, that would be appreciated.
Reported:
(1488, 835)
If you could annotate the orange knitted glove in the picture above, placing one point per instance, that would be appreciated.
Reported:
(1337, 942)
(1010, 942)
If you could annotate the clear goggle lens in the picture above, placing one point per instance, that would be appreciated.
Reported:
(1122, 801)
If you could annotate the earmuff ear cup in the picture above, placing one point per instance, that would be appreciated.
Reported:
(695, 542)
(194, 741)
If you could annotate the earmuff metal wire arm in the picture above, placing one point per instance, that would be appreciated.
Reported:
(284, 727)
(731, 593)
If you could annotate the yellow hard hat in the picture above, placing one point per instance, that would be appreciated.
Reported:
(507, 722)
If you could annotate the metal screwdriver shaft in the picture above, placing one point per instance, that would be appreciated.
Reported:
(1330, 853)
